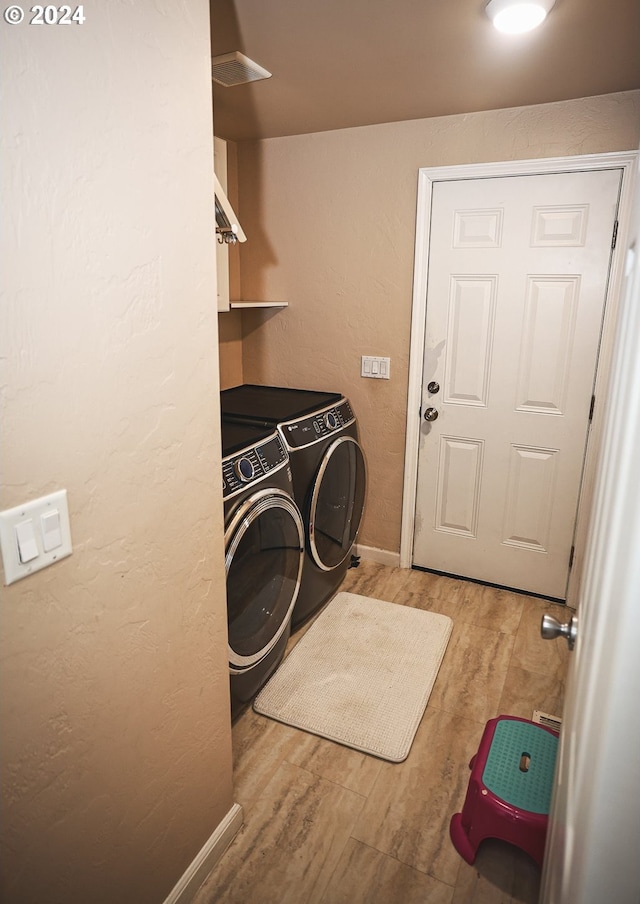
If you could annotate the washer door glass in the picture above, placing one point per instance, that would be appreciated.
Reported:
(264, 554)
(337, 503)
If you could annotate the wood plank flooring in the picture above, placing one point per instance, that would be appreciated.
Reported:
(325, 824)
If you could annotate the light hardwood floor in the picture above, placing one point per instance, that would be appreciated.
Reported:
(325, 824)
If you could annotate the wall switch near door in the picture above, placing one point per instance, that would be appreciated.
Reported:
(34, 535)
(375, 367)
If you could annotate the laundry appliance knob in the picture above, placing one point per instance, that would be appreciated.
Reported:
(244, 469)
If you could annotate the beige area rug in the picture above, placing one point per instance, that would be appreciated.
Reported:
(361, 675)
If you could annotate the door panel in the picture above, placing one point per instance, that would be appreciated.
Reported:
(517, 280)
(459, 485)
(529, 498)
(547, 338)
(592, 843)
(470, 340)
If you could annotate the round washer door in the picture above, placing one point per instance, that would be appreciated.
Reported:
(337, 503)
(264, 552)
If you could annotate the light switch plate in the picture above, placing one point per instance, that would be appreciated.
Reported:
(40, 512)
(376, 367)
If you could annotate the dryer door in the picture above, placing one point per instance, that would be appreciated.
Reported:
(337, 503)
(264, 544)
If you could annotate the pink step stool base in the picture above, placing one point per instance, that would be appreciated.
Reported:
(484, 815)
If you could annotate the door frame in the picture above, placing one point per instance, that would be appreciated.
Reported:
(427, 176)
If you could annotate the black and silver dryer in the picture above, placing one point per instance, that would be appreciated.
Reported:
(329, 476)
(264, 554)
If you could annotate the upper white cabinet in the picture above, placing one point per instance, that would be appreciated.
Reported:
(233, 230)
(222, 249)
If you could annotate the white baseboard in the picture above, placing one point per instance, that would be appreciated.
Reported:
(213, 849)
(383, 556)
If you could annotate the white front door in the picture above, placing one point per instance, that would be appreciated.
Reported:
(517, 280)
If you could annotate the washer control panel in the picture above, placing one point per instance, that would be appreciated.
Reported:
(318, 426)
(251, 465)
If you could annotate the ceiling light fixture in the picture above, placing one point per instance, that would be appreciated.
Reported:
(517, 16)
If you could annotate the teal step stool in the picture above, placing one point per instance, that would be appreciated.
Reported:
(509, 791)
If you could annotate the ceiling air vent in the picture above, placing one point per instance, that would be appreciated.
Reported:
(236, 69)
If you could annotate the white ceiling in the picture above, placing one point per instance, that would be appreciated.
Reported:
(342, 63)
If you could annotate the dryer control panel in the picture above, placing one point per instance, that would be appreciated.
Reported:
(318, 426)
(252, 465)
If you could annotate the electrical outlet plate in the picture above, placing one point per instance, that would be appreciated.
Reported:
(376, 367)
(44, 531)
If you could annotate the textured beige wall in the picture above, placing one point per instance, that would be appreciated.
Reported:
(116, 753)
(330, 220)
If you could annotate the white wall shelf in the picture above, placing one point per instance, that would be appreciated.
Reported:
(258, 304)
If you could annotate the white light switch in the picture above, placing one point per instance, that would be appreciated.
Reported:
(376, 367)
(51, 534)
(34, 535)
(26, 539)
